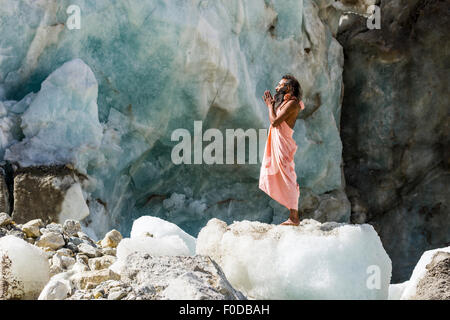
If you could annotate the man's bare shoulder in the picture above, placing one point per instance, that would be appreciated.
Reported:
(291, 105)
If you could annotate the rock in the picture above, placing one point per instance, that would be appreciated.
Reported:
(4, 193)
(30, 240)
(292, 260)
(5, 219)
(24, 269)
(75, 240)
(115, 288)
(89, 278)
(48, 252)
(65, 252)
(331, 206)
(101, 262)
(98, 294)
(32, 228)
(54, 227)
(435, 285)
(16, 233)
(79, 267)
(71, 227)
(437, 260)
(430, 279)
(111, 239)
(63, 261)
(111, 285)
(149, 276)
(72, 247)
(82, 258)
(109, 251)
(117, 295)
(52, 240)
(165, 246)
(187, 286)
(401, 163)
(86, 239)
(88, 250)
(50, 193)
(58, 288)
(55, 269)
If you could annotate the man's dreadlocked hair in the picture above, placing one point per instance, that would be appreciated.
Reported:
(293, 82)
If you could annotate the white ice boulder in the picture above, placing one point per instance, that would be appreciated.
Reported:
(24, 269)
(159, 229)
(396, 290)
(74, 205)
(59, 287)
(309, 261)
(154, 236)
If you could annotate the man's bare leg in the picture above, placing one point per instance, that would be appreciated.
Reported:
(293, 219)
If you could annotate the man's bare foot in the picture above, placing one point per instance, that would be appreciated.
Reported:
(289, 222)
(293, 219)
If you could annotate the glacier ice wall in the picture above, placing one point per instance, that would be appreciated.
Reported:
(61, 123)
(161, 65)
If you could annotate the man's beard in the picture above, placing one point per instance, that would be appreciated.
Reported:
(279, 97)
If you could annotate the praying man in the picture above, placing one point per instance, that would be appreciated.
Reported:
(277, 176)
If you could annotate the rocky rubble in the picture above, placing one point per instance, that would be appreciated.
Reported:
(75, 267)
(231, 262)
(68, 251)
(177, 277)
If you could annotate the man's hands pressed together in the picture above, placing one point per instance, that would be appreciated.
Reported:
(268, 99)
(284, 114)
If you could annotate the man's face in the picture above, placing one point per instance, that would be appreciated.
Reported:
(281, 86)
(281, 89)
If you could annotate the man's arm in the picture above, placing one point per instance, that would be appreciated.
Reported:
(287, 110)
(272, 115)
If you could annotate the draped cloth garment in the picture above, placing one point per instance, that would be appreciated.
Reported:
(277, 175)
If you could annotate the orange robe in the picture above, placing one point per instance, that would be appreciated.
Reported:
(277, 176)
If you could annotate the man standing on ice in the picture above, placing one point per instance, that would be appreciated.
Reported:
(277, 176)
